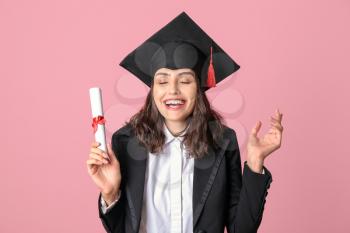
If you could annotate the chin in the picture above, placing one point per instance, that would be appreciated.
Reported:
(175, 117)
(172, 118)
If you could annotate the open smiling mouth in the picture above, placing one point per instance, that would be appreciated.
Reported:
(174, 104)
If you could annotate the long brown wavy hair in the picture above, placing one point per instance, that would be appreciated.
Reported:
(205, 126)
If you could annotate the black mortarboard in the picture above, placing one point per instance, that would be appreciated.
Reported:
(181, 44)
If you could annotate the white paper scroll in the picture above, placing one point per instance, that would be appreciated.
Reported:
(97, 110)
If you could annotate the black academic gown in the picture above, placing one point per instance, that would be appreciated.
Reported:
(222, 197)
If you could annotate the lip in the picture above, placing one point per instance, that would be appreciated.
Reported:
(174, 99)
(178, 107)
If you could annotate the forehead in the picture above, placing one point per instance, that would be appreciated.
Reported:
(166, 71)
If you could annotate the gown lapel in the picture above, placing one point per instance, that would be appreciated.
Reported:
(136, 168)
(205, 170)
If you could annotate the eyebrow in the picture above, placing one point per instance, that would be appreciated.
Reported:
(182, 73)
(160, 73)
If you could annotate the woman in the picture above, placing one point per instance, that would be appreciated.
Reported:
(175, 167)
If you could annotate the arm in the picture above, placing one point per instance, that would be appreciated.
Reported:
(113, 219)
(247, 194)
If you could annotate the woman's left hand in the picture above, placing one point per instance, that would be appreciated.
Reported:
(259, 148)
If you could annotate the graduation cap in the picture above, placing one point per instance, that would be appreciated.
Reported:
(181, 44)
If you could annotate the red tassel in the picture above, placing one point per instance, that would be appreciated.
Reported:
(211, 73)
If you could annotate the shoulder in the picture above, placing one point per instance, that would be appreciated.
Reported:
(123, 132)
(120, 138)
(230, 135)
(229, 132)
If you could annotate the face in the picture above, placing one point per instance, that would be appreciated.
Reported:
(174, 92)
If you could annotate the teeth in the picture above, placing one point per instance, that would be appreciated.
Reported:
(174, 102)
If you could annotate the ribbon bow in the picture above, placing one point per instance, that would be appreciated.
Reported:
(97, 120)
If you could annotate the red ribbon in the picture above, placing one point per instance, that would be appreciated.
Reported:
(97, 120)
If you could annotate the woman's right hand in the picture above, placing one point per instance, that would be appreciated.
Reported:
(104, 170)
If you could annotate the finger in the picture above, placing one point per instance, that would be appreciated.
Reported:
(256, 128)
(277, 125)
(93, 162)
(92, 169)
(99, 152)
(98, 157)
(279, 115)
(277, 118)
(276, 131)
(93, 165)
(272, 119)
(95, 144)
(90, 166)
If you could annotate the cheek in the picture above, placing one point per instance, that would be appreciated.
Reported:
(191, 96)
(157, 96)
(192, 104)
(155, 93)
(192, 93)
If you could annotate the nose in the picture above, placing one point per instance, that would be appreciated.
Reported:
(173, 87)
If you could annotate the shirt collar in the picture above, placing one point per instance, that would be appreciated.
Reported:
(169, 136)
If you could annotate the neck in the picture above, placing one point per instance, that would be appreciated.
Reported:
(176, 127)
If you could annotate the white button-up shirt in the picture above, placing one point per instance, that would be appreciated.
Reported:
(167, 201)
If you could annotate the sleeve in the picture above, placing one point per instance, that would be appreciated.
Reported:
(113, 219)
(247, 193)
(104, 207)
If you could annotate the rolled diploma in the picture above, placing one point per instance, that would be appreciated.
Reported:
(97, 110)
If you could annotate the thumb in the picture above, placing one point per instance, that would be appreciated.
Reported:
(256, 129)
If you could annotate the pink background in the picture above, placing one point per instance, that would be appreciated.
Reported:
(293, 55)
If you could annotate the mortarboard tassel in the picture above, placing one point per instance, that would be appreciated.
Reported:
(211, 73)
